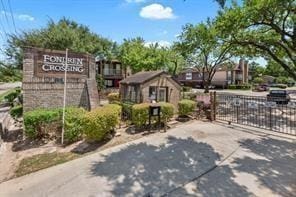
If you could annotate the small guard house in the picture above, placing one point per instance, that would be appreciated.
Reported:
(150, 87)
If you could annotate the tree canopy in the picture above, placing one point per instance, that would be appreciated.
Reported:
(136, 54)
(262, 28)
(203, 47)
(60, 35)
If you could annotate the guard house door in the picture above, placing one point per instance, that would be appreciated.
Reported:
(163, 94)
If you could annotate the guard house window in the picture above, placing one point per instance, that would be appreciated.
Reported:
(188, 76)
(152, 93)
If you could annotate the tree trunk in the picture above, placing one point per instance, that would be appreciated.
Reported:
(175, 68)
(206, 86)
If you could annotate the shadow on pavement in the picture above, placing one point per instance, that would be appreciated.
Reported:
(277, 171)
(144, 169)
(271, 161)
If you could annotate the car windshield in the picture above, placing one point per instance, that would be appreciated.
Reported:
(278, 92)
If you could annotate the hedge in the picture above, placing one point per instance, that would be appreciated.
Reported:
(185, 107)
(101, 121)
(239, 87)
(47, 123)
(167, 111)
(74, 124)
(113, 98)
(140, 114)
(38, 122)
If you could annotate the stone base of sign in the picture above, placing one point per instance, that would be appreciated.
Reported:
(42, 91)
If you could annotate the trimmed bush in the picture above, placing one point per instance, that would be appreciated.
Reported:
(45, 123)
(16, 111)
(74, 124)
(101, 121)
(140, 114)
(38, 123)
(185, 107)
(167, 110)
(113, 98)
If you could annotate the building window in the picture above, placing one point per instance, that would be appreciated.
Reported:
(188, 76)
(108, 83)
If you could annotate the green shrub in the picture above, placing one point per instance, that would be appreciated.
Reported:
(185, 107)
(74, 124)
(258, 80)
(38, 123)
(189, 95)
(167, 110)
(113, 97)
(117, 108)
(186, 88)
(12, 95)
(140, 114)
(232, 87)
(101, 121)
(44, 123)
(16, 111)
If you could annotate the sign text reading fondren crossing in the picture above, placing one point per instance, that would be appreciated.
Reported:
(53, 64)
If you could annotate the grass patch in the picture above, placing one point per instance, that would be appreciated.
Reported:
(4, 94)
(42, 161)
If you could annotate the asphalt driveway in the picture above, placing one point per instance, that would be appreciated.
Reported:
(194, 159)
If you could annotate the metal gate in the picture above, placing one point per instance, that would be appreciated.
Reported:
(257, 112)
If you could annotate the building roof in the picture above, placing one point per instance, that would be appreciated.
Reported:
(185, 70)
(141, 77)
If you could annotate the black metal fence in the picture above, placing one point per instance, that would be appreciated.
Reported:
(257, 112)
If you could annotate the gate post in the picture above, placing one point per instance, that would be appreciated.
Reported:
(215, 105)
(211, 106)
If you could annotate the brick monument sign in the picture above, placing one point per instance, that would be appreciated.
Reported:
(43, 79)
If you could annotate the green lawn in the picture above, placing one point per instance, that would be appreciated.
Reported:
(42, 161)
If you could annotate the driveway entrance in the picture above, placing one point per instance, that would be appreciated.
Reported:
(193, 159)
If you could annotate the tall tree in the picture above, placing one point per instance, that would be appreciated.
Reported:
(59, 35)
(263, 28)
(202, 46)
(139, 57)
(256, 70)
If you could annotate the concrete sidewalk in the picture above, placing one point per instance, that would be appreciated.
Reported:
(194, 159)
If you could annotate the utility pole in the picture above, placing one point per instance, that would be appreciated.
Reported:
(65, 94)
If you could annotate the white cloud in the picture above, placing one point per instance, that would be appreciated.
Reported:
(157, 11)
(135, 1)
(25, 17)
(161, 43)
(22, 17)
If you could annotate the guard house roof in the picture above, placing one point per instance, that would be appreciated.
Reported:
(141, 77)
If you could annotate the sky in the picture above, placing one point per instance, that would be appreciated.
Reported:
(154, 20)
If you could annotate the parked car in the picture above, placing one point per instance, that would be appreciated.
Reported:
(279, 96)
(261, 88)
